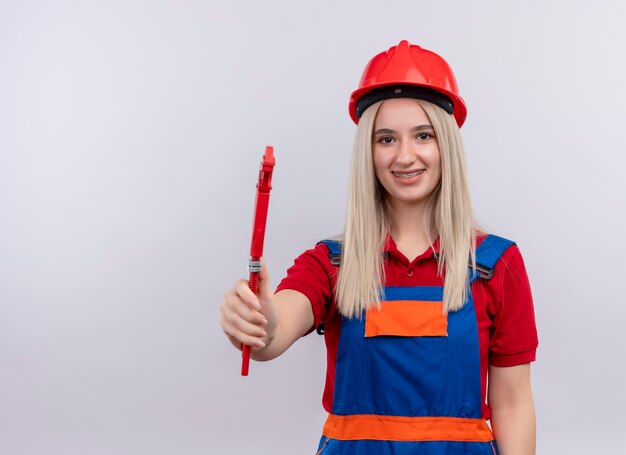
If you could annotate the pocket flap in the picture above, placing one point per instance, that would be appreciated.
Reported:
(407, 318)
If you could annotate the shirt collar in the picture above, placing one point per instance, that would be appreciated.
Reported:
(391, 248)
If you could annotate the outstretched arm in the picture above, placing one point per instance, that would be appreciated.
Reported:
(294, 319)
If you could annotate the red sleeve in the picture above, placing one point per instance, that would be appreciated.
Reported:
(313, 275)
(513, 339)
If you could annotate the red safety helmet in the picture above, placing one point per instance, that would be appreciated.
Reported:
(407, 70)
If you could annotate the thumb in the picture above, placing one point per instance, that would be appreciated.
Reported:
(265, 286)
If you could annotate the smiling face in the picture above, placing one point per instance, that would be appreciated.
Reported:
(406, 155)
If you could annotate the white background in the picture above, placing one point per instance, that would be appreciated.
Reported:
(130, 138)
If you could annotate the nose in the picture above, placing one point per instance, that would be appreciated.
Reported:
(406, 154)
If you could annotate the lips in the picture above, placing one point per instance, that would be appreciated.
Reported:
(408, 174)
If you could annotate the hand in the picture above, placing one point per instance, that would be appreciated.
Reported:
(249, 319)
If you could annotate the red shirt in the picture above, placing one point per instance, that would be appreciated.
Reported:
(504, 306)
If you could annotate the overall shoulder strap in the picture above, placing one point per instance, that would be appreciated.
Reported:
(487, 255)
(334, 248)
(334, 255)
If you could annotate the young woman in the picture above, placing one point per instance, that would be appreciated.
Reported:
(418, 307)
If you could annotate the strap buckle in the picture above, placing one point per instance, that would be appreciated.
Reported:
(484, 272)
(335, 259)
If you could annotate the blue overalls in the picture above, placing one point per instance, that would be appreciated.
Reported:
(408, 377)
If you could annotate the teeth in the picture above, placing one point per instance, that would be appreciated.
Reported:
(407, 176)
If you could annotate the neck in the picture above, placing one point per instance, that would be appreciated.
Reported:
(407, 227)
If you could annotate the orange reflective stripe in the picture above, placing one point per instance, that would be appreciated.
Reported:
(399, 428)
(409, 318)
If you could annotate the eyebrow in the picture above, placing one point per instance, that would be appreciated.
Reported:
(414, 129)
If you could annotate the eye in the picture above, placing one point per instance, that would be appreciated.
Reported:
(425, 136)
(385, 140)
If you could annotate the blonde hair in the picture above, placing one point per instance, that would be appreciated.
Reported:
(448, 214)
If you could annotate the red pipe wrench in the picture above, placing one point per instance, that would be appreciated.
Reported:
(263, 187)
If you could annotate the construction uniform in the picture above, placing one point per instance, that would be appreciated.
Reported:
(407, 379)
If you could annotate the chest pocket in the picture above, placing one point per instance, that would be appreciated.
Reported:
(407, 318)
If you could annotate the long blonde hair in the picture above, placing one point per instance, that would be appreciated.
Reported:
(448, 215)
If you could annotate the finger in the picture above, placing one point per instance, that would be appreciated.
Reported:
(234, 341)
(242, 289)
(235, 304)
(247, 314)
(239, 340)
(233, 324)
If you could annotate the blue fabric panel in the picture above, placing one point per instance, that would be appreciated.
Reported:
(464, 395)
(350, 367)
(428, 293)
(369, 447)
(334, 246)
